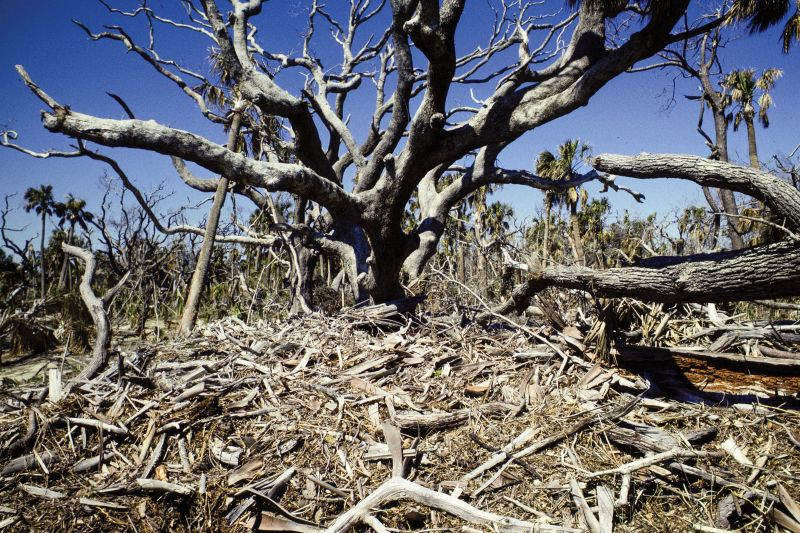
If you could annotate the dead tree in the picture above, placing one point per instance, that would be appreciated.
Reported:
(204, 257)
(97, 306)
(417, 131)
(761, 272)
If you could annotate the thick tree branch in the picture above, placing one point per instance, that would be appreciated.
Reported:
(149, 135)
(779, 196)
(764, 272)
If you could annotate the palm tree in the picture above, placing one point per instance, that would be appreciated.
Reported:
(763, 14)
(562, 167)
(41, 201)
(478, 203)
(74, 213)
(747, 92)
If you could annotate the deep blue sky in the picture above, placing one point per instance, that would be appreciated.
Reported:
(627, 116)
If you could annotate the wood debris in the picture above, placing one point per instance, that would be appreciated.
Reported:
(322, 424)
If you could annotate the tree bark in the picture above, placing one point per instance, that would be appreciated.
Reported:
(751, 141)
(200, 274)
(43, 286)
(721, 137)
(97, 309)
(781, 197)
(765, 272)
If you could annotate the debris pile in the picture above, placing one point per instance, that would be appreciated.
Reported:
(316, 424)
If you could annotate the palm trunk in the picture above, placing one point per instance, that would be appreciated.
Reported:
(751, 142)
(545, 241)
(481, 258)
(41, 255)
(192, 306)
(576, 233)
(460, 263)
(62, 278)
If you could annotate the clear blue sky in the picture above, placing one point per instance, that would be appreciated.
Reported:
(627, 116)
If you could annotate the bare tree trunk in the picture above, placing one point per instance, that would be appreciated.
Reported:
(41, 253)
(62, 279)
(546, 244)
(771, 271)
(577, 238)
(192, 306)
(751, 142)
(304, 263)
(97, 309)
(727, 197)
(716, 218)
(480, 251)
(461, 269)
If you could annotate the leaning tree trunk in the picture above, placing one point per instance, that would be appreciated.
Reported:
(62, 278)
(97, 309)
(192, 305)
(740, 275)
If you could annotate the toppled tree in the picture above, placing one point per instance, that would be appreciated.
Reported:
(417, 131)
(766, 271)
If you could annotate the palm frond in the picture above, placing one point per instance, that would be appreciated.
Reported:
(759, 14)
(791, 31)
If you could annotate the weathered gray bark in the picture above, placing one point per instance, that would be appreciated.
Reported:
(771, 271)
(192, 305)
(763, 272)
(97, 309)
(781, 197)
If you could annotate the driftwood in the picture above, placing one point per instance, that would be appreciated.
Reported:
(718, 371)
(398, 489)
(412, 421)
(97, 307)
(287, 424)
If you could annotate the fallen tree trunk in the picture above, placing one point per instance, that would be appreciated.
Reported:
(757, 273)
(97, 309)
(763, 272)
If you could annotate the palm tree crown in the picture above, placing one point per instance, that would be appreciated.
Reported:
(747, 92)
(763, 14)
(73, 212)
(40, 200)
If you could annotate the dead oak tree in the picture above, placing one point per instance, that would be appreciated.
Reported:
(417, 130)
